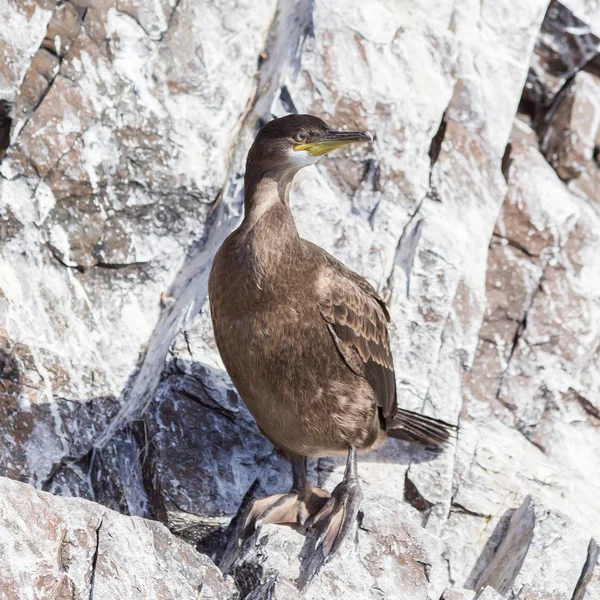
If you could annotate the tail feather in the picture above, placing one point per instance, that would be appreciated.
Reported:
(414, 427)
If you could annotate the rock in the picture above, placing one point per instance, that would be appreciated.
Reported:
(489, 594)
(124, 126)
(30, 19)
(275, 590)
(586, 186)
(53, 547)
(408, 569)
(62, 29)
(545, 573)
(100, 205)
(568, 135)
(502, 570)
(208, 431)
(522, 548)
(543, 342)
(455, 594)
(527, 364)
(565, 45)
(586, 10)
(40, 74)
(588, 585)
(5, 123)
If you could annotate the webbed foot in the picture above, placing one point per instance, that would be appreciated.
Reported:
(336, 519)
(329, 527)
(293, 508)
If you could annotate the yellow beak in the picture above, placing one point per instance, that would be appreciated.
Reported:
(332, 140)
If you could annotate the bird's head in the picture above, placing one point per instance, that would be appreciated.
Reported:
(296, 141)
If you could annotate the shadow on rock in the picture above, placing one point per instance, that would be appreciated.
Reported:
(46, 440)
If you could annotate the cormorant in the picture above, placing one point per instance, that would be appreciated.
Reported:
(304, 339)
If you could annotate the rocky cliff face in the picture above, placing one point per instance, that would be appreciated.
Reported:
(123, 131)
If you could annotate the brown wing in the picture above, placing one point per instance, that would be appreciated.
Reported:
(357, 319)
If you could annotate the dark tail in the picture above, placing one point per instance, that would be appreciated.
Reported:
(413, 427)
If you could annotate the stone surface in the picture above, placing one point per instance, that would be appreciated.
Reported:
(124, 126)
(588, 586)
(117, 153)
(565, 45)
(409, 567)
(53, 547)
(275, 590)
(568, 136)
(586, 10)
(489, 594)
(455, 594)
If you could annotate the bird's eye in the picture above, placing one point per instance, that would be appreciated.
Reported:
(301, 137)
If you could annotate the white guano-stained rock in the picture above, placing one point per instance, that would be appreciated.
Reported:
(124, 126)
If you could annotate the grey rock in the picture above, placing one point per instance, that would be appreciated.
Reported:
(544, 573)
(586, 10)
(101, 209)
(273, 589)
(206, 458)
(456, 594)
(589, 582)
(506, 564)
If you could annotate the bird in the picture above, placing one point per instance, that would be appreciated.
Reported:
(305, 339)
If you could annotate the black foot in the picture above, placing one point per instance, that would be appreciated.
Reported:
(292, 508)
(335, 520)
(331, 525)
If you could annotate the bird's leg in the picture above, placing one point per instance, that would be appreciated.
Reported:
(335, 520)
(293, 508)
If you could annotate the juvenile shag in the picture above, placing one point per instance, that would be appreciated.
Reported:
(304, 339)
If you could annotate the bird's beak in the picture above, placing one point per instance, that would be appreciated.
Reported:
(332, 140)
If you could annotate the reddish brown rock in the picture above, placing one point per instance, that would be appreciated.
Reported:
(565, 45)
(70, 548)
(64, 26)
(568, 134)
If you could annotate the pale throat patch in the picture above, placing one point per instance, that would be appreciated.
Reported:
(301, 158)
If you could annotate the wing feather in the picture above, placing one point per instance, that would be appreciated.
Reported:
(357, 319)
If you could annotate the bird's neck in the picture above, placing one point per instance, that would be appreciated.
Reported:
(268, 234)
(266, 190)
